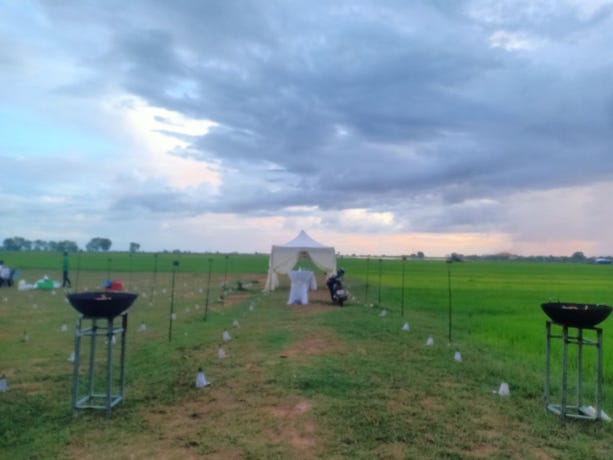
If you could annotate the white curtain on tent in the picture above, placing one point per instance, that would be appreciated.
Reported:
(303, 281)
(284, 257)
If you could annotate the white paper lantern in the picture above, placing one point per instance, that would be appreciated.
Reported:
(504, 389)
(201, 380)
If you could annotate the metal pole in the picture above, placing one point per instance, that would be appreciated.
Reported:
(75, 368)
(225, 273)
(599, 372)
(130, 272)
(155, 273)
(579, 368)
(379, 294)
(122, 360)
(108, 268)
(449, 289)
(367, 275)
(175, 264)
(208, 289)
(404, 259)
(78, 270)
(547, 361)
(564, 371)
(109, 366)
(92, 358)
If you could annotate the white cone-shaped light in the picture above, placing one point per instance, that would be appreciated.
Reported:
(383, 312)
(406, 327)
(504, 389)
(457, 357)
(251, 307)
(201, 380)
(64, 328)
(430, 341)
(173, 316)
(142, 327)
(226, 336)
(71, 357)
(221, 353)
(235, 324)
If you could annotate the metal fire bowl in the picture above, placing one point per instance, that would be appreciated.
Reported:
(101, 304)
(576, 314)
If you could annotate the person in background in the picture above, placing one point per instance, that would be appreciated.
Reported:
(6, 274)
(65, 267)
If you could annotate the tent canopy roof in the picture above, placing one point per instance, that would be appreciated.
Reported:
(302, 240)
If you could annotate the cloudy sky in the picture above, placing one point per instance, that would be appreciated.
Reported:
(378, 126)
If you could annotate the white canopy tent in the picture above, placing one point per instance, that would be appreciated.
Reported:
(284, 257)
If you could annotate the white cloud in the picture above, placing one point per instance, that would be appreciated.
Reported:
(512, 41)
(156, 133)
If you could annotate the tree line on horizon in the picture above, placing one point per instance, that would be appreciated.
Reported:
(576, 257)
(96, 244)
(99, 244)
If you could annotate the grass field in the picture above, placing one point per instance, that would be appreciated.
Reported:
(314, 381)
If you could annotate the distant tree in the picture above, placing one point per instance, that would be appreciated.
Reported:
(98, 244)
(134, 247)
(66, 246)
(578, 256)
(454, 257)
(17, 243)
(40, 245)
(420, 255)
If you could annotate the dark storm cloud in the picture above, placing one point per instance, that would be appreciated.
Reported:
(370, 105)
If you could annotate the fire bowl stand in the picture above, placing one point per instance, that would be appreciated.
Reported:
(99, 327)
(580, 410)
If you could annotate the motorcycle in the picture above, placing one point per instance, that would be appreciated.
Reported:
(338, 294)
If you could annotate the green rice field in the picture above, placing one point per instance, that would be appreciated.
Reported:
(310, 381)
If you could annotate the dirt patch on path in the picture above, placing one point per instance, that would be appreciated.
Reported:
(296, 425)
(314, 345)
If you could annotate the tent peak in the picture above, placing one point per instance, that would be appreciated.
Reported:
(304, 240)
